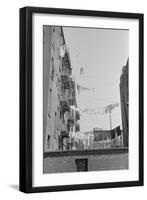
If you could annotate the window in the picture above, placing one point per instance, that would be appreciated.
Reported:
(82, 165)
(52, 69)
(50, 103)
(48, 141)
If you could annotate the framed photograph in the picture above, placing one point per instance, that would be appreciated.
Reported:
(81, 99)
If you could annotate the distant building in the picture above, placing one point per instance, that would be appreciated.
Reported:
(124, 98)
(100, 134)
(60, 114)
(104, 139)
(97, 129)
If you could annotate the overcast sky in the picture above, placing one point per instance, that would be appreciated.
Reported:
(101, 53)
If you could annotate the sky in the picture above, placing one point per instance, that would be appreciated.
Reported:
(101, 53)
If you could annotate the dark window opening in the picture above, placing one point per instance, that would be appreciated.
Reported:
(82, 164)
(48, 141)
(52, 70)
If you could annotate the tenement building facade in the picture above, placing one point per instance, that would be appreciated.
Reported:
(124, 98)
(60, 113)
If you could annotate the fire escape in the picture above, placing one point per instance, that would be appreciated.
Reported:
(64, 99)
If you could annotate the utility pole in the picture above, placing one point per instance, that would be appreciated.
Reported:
(108, 109)
(110, 120)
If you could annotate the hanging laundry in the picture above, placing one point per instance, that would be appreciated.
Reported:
(81, 88)
(118, 131)
(112, 133)
(81, 71)
(97, 111)
(62, 50)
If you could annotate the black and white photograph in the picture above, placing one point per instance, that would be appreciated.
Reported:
(85, 99)
(81, 99)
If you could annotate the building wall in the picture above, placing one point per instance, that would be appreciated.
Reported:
(124, 98)
(58, 90)
(47, 38)
(53, 39)
(97, 161)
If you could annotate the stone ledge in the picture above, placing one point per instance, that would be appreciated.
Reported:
(86, 152)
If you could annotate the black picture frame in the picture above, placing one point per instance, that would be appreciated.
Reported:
(26, 96)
